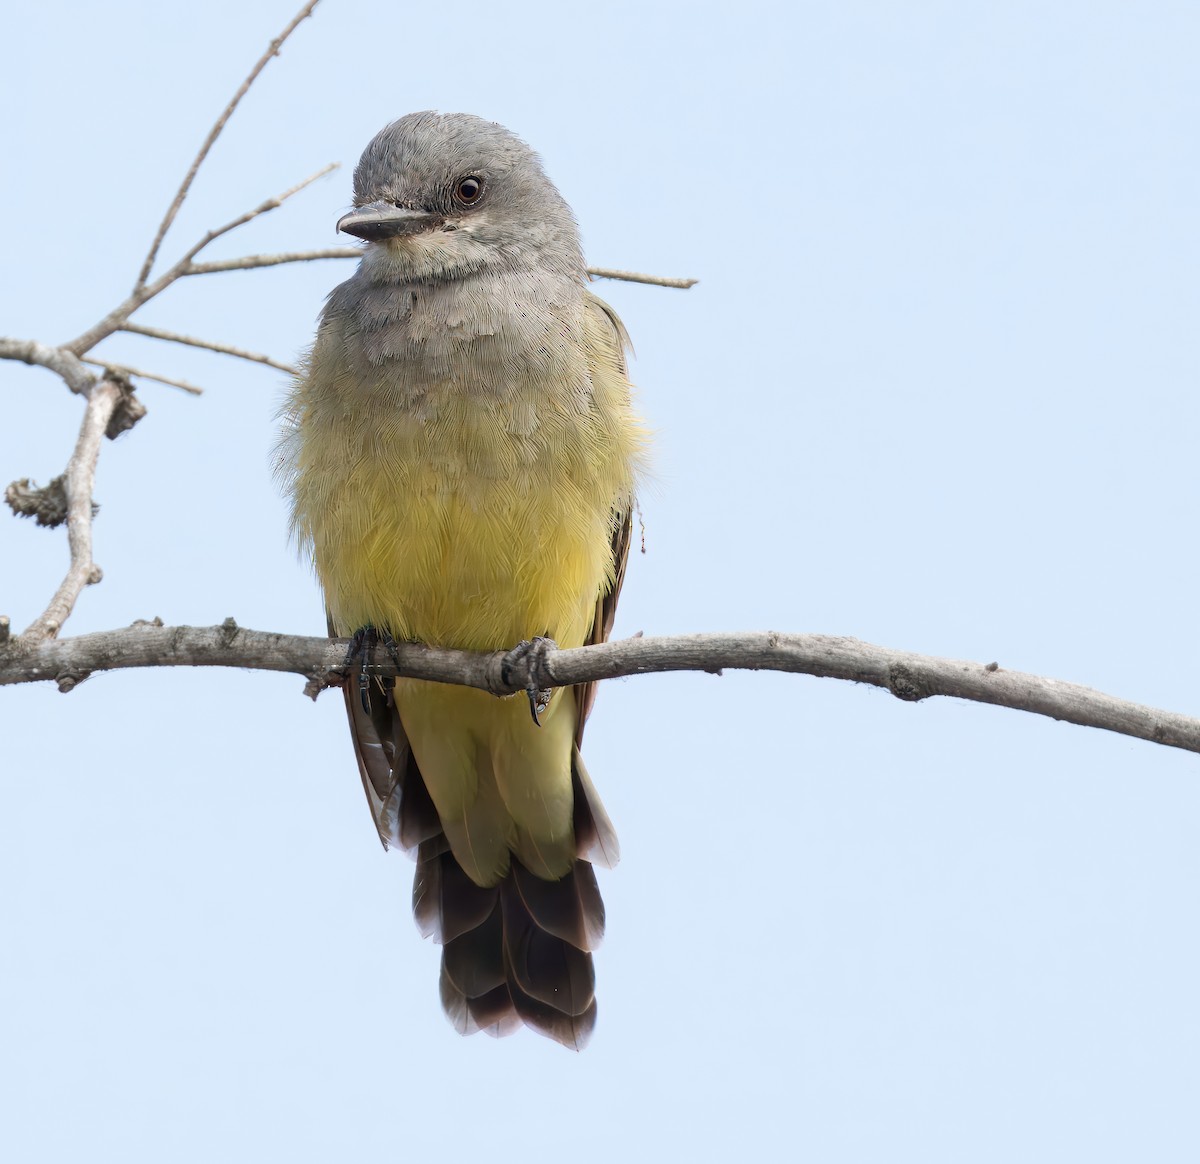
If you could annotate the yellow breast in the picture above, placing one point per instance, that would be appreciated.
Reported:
(471, 519)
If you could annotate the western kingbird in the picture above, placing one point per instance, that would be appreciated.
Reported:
(462, 452)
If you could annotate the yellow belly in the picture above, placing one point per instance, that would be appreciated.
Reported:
(455, 535)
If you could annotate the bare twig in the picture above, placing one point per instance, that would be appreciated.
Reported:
(64, 363)
(250, 262)
(634, 277)
(908, 676)
(208, 345)
(356, 253)
(241, 220)
(115, 319)
(272, 51)
(128, 370)
(103, 399)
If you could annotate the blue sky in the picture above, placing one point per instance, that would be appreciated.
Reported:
(936, 390)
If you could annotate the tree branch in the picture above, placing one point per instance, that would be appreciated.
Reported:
(58, 360)
(262, 208)
(182, 193)
(908, 676)
(144, 292)
(129, 370)
(250, 262)
(209, 345)
(634, 277)
(103, 400)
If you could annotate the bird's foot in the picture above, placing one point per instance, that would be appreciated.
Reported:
(360, 655)
(533, 653)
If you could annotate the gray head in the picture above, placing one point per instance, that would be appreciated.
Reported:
(444, 196)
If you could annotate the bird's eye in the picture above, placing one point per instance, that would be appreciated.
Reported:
(469, 190)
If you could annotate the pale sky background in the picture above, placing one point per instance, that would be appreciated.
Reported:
(936, 390)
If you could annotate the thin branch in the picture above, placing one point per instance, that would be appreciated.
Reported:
(250, 262)
(634, 277)
(356, 253)
(115, 319)
(241, 220)
(208, 345)
(272, 51)
(128, 370)
(60, 361)
(908, 676)
(103, 399)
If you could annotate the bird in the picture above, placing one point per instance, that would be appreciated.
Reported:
(462, 452)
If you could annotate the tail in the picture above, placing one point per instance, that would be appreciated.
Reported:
(515, 953)
(519, 952)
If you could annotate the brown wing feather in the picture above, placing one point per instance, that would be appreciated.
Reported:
(380, 747)
(606, 613)
(618, 343)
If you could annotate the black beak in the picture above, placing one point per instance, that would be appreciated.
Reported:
(383, 220)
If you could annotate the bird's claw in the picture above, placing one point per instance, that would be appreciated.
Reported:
(533, 653)
(360, 655)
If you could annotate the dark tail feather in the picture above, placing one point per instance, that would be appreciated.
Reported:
(474, 961)
(570, 909)
(492, 1012)
(519, 952)
(572, 1031)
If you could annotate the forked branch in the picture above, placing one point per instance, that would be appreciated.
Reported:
(182, 193)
